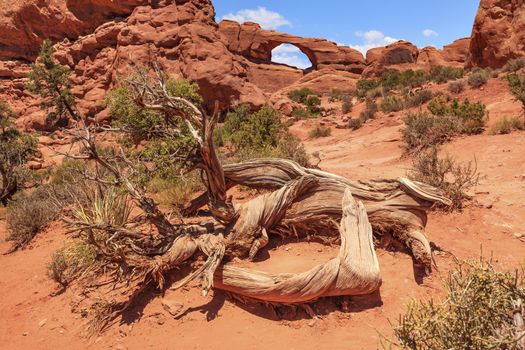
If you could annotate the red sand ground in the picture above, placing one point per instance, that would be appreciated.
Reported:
(31, 319)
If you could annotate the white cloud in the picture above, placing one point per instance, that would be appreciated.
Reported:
(266, 18)
(429, 32)
(371, 39)
(290, 55)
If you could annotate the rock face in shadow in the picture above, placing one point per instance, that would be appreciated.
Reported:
(498, 34)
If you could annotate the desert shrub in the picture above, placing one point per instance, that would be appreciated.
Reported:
(365, 85)
(300, 95)
(56, 269)
(514, 65)
(425, 130)
(507, 125)
(478, 78)
(347, 106)
(441, 74)
(67, 263)
(301, 114)
(370, 111)
(290, 147)
(392, 103)
(472, 116)
(393, 79)
(319, 131)
(419, 98)
(50, 81)
(517, 86)
(28, 215)
(69, 172)
(452, 178)
(313, 105)
(175, 192)
(33, 211)
(476, 312)
(375, 93)
(335, 95)
(260, 134)
(456, 87)
(16, 148)
(355, 123)
(255, 130)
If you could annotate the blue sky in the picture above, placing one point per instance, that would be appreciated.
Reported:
(361, 24)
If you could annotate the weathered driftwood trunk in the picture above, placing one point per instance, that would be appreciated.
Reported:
(355, 270)
(397, 205)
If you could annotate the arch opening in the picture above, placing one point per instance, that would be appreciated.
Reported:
(292, 56)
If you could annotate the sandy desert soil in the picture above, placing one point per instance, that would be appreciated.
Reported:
(493, 226)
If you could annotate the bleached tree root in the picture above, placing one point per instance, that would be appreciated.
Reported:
(355, 270)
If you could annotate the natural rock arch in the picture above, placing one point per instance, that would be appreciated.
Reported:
(252, 42)
(288, 51)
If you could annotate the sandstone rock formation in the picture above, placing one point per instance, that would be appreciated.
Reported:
(498, 34)
(403, 55)
(180, 35)
(24, 24)
(255, 43)
(102, 40)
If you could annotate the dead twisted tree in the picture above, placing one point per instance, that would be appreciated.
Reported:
(301, 201)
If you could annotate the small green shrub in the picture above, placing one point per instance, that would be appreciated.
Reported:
(302, 114)
(175, 192)
(347, 106)
(393, 79)
(478, 78)
(370, 111)
(443, 74)
(419, 98)
(290, 147)
(375, 93)
(456, 87)
(335, 95)
(16, 148)
(365, 85)
(472, 116)
(355, 123)
(70, 262)
(28, 215)
(300, 95)
(313, 105)
(50, 80)
(517, 86)
(56, 269)
(507, 125)
(476, 312)
(425, 130)
(514, 65)
(261, 134)
(319, 131)
(392, 103)
(453, 179)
